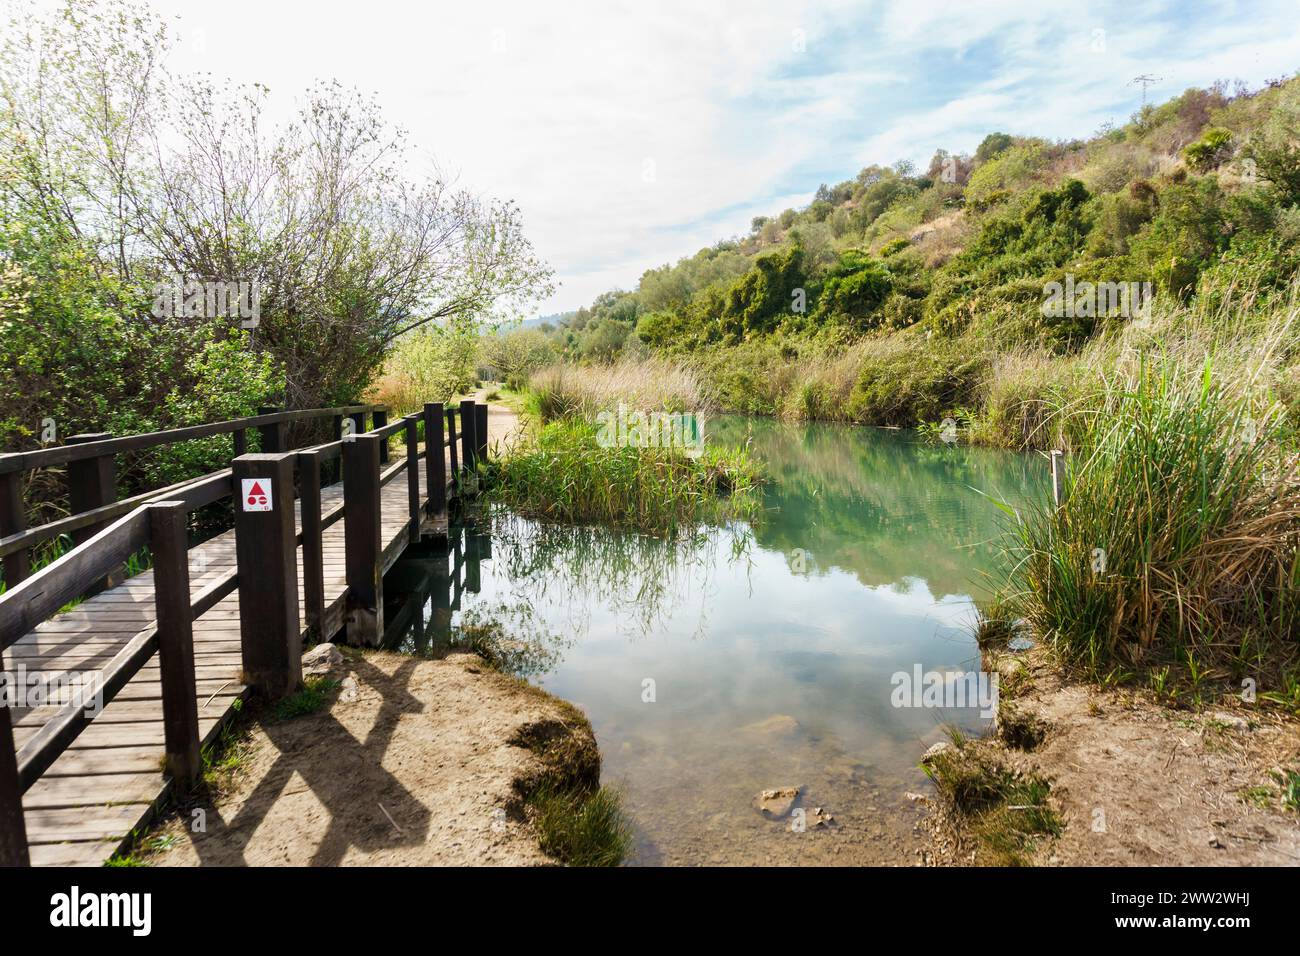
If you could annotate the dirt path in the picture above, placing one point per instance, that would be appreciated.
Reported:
(504, 426)
(1139, 784)
(424, 762)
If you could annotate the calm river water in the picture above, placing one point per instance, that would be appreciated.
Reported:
(753, 658)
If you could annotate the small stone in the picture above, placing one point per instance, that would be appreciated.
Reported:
(818, 818)
(914, 796)
(320, 660)
(1232, 721)
(777, 802)
(350, 689)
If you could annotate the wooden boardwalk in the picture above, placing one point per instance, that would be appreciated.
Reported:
(109, 781)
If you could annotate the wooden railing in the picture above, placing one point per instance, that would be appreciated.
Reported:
(91, 474)
(266, 543)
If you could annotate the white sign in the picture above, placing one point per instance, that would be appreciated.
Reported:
(256, 493)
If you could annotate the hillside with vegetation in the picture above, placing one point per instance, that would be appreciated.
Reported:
(902, 296)
(1130, 298)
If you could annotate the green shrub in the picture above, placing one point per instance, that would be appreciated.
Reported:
(1178, 537)
(1210, 150)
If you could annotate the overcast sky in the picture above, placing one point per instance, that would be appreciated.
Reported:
(632, 134)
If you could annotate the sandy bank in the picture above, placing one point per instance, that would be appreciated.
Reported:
(421, 762)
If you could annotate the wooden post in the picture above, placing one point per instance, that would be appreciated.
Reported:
(13, 831)
(378, 420)
(413, 474)
(440, 614)
(268, 576)
(469, 444)
(241, 442)
(169, 542)
(273, 435)
(361, 512)
(313, 546)
(92, 483)
(481, 431)
(13, 519)
(452, 443)
(473, 555)
(435, 458)
(1058, 478)
(358, 423)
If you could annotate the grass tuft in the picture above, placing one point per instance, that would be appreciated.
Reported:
(580, 828)
(1006, 810)
(566, 475)
(313, 696)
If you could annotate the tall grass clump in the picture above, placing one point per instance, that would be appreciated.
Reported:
(1177, 539)
(579, 828)
(567, 475)
(649, 384)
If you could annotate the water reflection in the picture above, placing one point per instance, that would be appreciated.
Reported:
(745, 658)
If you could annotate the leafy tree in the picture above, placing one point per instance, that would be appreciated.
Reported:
(161, 177)
(757, 303)
(854, 290)
(992, 145)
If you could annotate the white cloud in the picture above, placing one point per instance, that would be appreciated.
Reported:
(561, 106)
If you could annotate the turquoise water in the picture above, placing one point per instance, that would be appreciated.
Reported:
(749, 658)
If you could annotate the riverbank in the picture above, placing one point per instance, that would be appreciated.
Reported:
(1133, 781)
(407, 761)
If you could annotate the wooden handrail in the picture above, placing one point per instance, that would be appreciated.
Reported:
(35, 757)
(62, 454)
(52, 529)
(30, 602)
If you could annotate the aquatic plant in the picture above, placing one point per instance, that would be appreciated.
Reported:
(567, 475)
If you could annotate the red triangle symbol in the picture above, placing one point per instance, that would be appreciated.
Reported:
(256, 489)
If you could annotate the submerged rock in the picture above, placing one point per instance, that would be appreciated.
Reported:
(818, 817)
(778, 725)
(777, 802)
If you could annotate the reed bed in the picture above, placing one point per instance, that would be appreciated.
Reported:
(1178, 537)
(649, 384)
(566, 475)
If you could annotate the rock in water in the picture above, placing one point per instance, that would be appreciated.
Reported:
(777, 803)
(778, 725)
(818, 818)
